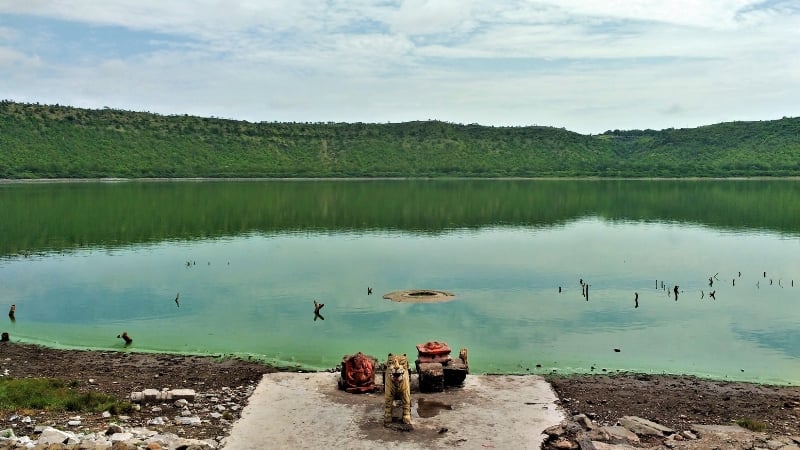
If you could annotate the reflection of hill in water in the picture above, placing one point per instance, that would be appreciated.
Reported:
(58, 216)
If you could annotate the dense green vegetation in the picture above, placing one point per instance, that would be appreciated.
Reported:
(52, 141)
(54, 395)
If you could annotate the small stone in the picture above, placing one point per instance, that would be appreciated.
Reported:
(194, 420)
(584, 421)
(156, 421)
(554, 431)
(774, 444)
(689, 435)
(106, 414)
(121, 437)
(8, 433)
(74, 423)
(113, 428)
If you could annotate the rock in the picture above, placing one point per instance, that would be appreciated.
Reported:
(702, 430)
(106, 414)
(774, 444)
(606, 446)
(644, 427)
(554, 431)
(619, 434)
(688, 435)
(181, 403)
(113, 428)
(52, 436)
(7, 433)
(156, 421)
(599, 434)
(124, 436)
(584, 421)
(194, 420)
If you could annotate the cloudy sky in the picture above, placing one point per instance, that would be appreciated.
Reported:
(586, 65)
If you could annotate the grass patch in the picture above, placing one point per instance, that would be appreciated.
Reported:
(752, 424)
(54, 395)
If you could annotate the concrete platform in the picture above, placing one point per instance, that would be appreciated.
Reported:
(306, 410)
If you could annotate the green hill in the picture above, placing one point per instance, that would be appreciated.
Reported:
(52, 141)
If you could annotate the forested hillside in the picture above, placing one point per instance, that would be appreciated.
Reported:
(52, 141)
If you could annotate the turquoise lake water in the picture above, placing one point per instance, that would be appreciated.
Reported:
(247, 280)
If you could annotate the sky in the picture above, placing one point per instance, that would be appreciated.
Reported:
(584, 65)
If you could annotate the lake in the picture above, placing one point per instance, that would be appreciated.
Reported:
(85, 261)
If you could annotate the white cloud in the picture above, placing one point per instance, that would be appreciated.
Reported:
(585, 65)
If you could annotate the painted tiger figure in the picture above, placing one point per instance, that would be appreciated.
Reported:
(397, 386)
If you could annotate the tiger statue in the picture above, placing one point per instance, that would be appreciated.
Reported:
(397, 386)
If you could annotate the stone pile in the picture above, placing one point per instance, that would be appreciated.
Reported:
(159, 419)
(115, 437)
(631, 432)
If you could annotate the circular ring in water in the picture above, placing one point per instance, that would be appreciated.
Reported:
(420, 296)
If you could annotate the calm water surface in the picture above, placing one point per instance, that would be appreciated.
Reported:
(85, 261)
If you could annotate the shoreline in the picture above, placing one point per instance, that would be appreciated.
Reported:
(287, 366)
(673, 401)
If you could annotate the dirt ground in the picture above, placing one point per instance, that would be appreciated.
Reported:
(678, 401)
(121, 373)
(673, 401)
